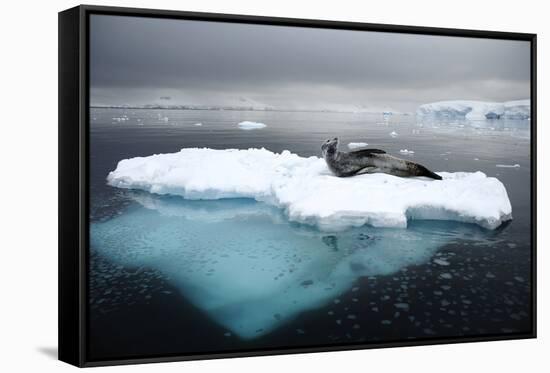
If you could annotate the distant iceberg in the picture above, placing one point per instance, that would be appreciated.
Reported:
(476, 110)
(247, 125)
(308, 193)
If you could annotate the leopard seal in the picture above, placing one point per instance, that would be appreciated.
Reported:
(362, 161)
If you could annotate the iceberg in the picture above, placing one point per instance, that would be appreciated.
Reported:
(247, 125)
(309, 194)
(520, 109)
(476, 110)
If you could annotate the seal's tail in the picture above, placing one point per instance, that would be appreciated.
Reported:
(423, 171)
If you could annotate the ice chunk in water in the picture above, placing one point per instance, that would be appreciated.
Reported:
(248, 125)
(516, 165)
(357, 145)
(406, 151)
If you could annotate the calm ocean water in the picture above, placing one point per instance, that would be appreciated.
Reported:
(161, 267)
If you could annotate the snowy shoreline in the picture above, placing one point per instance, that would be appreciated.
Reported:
(310, 194)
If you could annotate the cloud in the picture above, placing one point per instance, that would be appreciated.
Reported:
(137, 60)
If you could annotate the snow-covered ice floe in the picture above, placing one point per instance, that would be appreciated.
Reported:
(357, 145)
(310, 194)
(476, 110)
(247, 125)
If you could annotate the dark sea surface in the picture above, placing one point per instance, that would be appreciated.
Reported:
(433, 279)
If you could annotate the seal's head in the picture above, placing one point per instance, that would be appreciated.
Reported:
(330, 147)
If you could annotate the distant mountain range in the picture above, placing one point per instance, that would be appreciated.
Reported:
(358, 109)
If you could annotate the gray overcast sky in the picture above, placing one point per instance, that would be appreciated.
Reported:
(138, 60)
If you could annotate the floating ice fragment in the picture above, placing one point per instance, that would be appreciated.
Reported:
(394, 134)
(248, 125)
(197, 124)
(406, 151)
(402, 306)
(357, 145)
(121, 119)
(441, 262)
(508, 165)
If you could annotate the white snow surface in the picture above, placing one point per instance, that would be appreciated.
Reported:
(476, 110)
(247, 125)
(310, 194)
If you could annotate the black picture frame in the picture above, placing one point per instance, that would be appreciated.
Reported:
(74, 189)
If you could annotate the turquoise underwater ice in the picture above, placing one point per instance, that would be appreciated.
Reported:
(248, 267)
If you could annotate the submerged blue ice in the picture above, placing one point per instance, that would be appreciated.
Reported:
(249, 268)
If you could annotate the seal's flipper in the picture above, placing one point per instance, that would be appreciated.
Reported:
(366, 152)
(368, 170)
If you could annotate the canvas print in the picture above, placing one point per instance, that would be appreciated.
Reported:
(259, 187)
